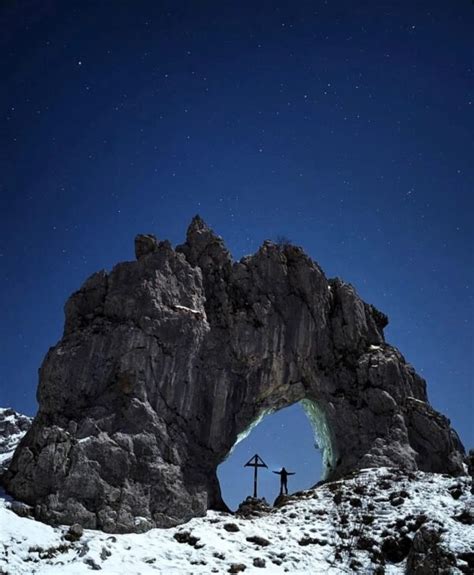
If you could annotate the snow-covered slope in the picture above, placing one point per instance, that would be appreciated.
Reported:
(366, 524)
(379, 521)
(13, 427)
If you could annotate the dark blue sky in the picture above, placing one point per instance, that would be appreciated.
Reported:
(346, 128)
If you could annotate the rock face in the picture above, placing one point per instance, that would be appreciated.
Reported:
(167, 361)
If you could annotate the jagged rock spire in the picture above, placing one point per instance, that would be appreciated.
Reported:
(203, 247)
(145, 244)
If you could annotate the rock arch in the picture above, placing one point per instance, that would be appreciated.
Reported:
(165, 360)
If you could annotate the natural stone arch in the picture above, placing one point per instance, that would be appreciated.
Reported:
(321, 430)
(165, 360)
(284, 436)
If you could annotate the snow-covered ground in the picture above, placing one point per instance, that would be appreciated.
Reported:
(339, 527)
(363, 524)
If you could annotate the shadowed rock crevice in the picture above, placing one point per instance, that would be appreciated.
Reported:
(165, 361)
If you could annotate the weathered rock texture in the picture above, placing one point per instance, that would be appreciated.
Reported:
(166, 361)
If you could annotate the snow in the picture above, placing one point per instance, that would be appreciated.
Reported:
(84, 439)
(10, 418)
(312, 514)
(374, 347)
(184, 308)
(414, 399)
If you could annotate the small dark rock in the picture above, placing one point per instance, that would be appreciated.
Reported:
(83, 550)
(92, 564)
(259, 562)
(355, 502)
(456, 492)
(231, 527)
(281, 500)
(253, 507)
(334, 486)
(467, 557)
(186, 537)
(258, 540)
(74, 532)
(343, 519)
(360, 489)
(420, 520)
(396, 549)
(21, 509)
(236, 568)
(311, 541)
(466, 517)
(366, 543)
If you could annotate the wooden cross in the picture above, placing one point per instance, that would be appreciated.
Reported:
(256, 461)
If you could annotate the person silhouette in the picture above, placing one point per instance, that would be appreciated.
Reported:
(284, 479)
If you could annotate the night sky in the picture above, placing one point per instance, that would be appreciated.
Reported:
(344, 126)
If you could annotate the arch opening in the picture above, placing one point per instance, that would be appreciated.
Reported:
(296, 437)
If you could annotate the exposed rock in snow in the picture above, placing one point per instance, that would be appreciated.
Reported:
(13, 427)
(167, 360)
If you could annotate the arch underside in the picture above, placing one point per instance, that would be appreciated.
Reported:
(323, 440)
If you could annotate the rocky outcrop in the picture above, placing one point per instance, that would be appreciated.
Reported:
(167, 361)
(13, 427)
(427, 554)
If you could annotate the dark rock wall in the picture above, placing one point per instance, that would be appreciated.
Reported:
(167, 360)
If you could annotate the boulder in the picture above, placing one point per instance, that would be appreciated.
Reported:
(427, 554)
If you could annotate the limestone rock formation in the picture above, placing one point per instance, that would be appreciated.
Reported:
(167, 361)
